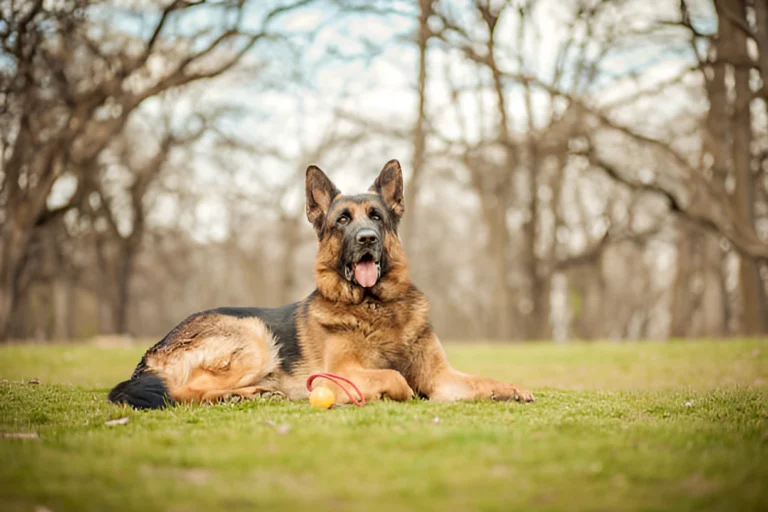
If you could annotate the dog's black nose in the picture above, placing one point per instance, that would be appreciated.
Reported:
(367, 237)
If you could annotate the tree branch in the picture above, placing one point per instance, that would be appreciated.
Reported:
(704, 211)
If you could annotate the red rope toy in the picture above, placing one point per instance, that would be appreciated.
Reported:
(337, 379)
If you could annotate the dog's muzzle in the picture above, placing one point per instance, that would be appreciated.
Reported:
(364, 268)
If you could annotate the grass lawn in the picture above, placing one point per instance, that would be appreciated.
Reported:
(673, 426)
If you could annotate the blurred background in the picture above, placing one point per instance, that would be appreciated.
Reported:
(575, 169)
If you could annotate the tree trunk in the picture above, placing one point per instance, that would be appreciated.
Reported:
(106, 291)
(588, 284)
(72, 309)
(420, 128)
(502, 305)
(494, 203)
(61, 309)
(540, 286)
(716, 148)
(699, 296)
(714, 308)
(542, 293)
(751, 294)
(13, 241)
(540, 289)
(123, 293)
(681, 287)
(291, 233)
(23, 210)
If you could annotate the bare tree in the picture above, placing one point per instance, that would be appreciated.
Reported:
(732, 51)
(118, 245)
(66, 94)
(533, 162)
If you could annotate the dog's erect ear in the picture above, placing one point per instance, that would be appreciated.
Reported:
(389, 185)
(320, 193)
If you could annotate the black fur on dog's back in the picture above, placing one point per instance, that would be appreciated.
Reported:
(143, 391)
(281, 323)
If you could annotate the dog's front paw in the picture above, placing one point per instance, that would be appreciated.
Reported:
(397, 388)
(514, 393)
(523, 395)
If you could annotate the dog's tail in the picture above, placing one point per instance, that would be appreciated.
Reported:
(144, 391)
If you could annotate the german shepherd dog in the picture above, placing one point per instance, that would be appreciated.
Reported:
(365, 321)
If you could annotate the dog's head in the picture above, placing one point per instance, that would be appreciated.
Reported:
(360, 252)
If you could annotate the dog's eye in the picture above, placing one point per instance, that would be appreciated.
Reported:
(344, 219)
(375, 216)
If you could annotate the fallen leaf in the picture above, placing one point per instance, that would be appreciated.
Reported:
(119, 421)
(499, 470)
(697, 484)
(281, 429)
(21, 435)
(619, 480)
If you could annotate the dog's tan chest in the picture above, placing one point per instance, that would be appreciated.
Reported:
(387, 334)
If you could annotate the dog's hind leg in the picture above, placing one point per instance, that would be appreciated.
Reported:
(203, 388)
(214, 356)
(248, 393)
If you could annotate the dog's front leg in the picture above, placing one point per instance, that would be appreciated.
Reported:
(373, 384)
(437, 379)
(451, 385)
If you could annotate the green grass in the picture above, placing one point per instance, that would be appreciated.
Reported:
(674, 426)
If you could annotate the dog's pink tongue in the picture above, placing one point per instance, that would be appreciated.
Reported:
(366, 273)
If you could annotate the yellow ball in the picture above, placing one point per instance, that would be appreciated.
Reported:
(322, 397)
